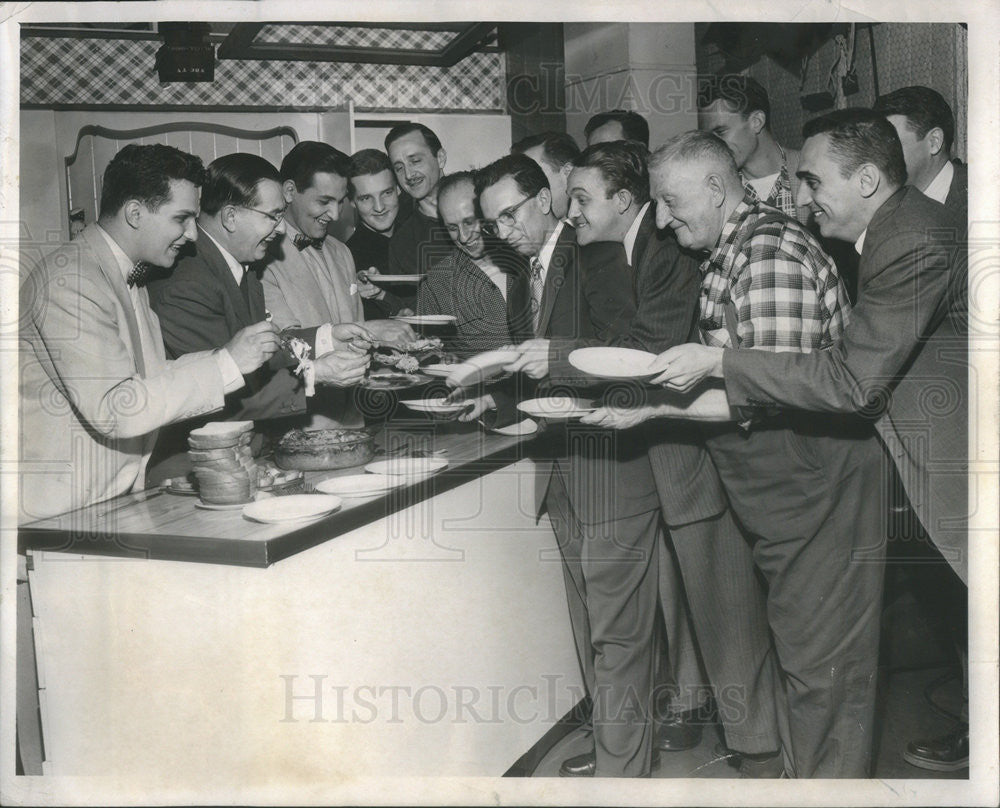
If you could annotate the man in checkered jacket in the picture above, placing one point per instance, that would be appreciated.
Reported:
(806, 487)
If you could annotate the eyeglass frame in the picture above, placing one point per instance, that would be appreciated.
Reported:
(489, 226)
(276, 219)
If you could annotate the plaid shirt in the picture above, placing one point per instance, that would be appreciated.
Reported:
(780, 196)
(786, 290)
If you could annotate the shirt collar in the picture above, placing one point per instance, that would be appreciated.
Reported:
(633, 233)
(545, 254)
(125, 263)
(859, 245)
(941, 184)
(234, 266)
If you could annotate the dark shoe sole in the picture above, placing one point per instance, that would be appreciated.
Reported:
(936, 765)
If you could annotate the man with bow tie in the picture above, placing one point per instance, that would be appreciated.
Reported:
(96, 385)
(214, 291)
(310, 278)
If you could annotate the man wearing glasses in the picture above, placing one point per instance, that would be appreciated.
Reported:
(215, 291)
(600, 494)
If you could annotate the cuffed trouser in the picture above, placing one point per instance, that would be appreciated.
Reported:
(611, 587)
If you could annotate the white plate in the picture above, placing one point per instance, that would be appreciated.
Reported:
(438, 368)
(520, 429)
(482, 367)
(291, 508)
(435, 405)
(396, 278)
(407, 466)
(613, 363)
(359, 485)
(426, 319)
(557, 407)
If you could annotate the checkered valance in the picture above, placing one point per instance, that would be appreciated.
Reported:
(106, 71)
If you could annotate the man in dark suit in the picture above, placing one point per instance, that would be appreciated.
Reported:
(214, 291)
(599, 494)
(907, 335)
(926, 128)
(473, 282)
(609, 201)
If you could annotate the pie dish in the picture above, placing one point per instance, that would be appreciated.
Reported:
(324, 449)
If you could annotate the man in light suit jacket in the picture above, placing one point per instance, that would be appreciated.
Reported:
(96, 385)
(310, 277)
(214, 291)
(609, 201)
(600, 495)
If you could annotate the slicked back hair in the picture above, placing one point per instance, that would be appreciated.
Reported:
(700, 146)
(923, 108)
(450, 181)
(859, 136)
(364, 163)
(432, 140)
(742, 94)
(145, 173)
(310, 157)
(526, 173)
(233, 179)
(623, 165)
(634, 126)
(558, 148)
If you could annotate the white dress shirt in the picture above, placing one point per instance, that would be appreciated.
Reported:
(633, 233)
(941, 184)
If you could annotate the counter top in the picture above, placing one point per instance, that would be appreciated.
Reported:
(155, 524)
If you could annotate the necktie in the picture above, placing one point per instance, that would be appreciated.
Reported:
(536, 291)
(245, 286)
(137, 274)
(302, 241)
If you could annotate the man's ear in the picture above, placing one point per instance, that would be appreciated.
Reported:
(869, 179)
(288, 190)
(132, 212)
(442, 158)
(227, 218)
(623, 200)
(935, 139)
(717, 189)
(545, 200)
(758, 120)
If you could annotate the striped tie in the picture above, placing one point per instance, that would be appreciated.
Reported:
(536, 291)
(137, 274)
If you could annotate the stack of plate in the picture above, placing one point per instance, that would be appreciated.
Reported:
(222, 461)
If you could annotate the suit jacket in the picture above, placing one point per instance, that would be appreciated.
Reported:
(371, 249)
(201, 307)
(298, 297)
(957, 200)
(91, 401)
(588, 295)
(903, 359)
(456, 285)
(666, 283)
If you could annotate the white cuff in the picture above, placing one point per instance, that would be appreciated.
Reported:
(324, 339)
(232, 378)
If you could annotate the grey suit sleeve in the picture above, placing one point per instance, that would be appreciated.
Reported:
(900, 304)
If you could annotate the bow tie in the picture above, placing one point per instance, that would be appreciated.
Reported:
(137, 275)
(302, 241)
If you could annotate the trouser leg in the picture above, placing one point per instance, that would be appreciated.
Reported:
(727, 604)
(824, 606)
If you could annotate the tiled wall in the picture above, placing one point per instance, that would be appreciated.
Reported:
(84, 71)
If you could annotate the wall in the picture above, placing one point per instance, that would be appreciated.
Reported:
(934, 55)
(103, 71)
(648, 67)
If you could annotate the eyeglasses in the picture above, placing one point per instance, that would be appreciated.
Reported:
(276, 218)
(491, 227)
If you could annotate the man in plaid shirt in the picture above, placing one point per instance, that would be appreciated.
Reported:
(804, 487)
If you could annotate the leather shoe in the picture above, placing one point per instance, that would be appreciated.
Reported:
(756, 767)
(679, 731)
(948, 753)
(585, 765)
